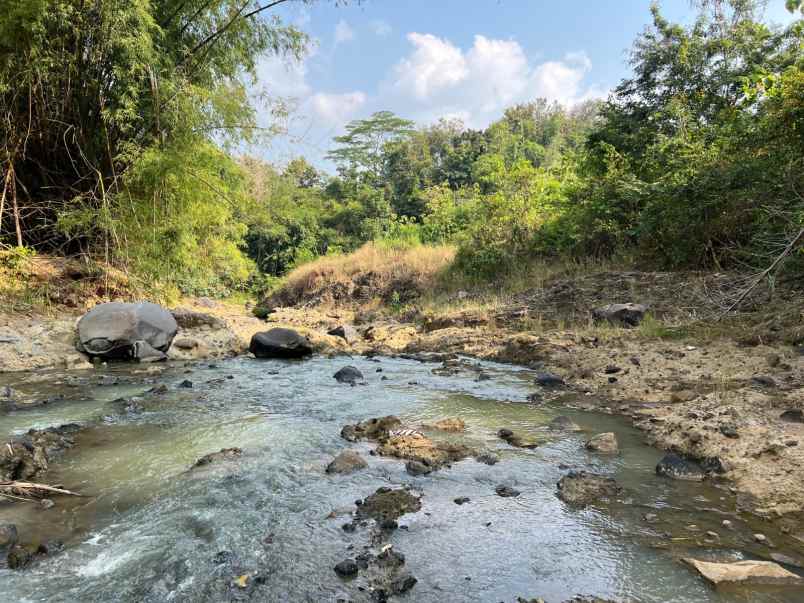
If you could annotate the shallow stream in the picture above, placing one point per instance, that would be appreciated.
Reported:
(148, 529)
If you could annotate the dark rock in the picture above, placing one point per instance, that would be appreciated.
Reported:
(612, 370)
(677, 467)
(371, 429)
(346, 568)
(549, 380)
(629, 315)
(730, 431)
(123, 331)
(403, 584)
(25, 458)
(347, 332)
(225, 454)
(280, 343)
(635, 361)
(348, 374)
(763, 381)
(8, 540)
(792, 416)
(347, 461)
(417, 468)
(488, 458)
(186, 384)
(506, 491)
(19, 557)
(582, 488)
(349, 528)
(50, 548)
(222, 557)
(462, 500)
(612, 379)
(389, 525)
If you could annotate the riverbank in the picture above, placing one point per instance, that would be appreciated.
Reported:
(729, 396)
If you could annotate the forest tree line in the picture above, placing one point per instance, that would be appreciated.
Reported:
(120, 125)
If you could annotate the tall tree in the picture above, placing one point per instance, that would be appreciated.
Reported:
(360, 150)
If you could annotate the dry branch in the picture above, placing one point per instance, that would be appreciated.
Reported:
(30, 490)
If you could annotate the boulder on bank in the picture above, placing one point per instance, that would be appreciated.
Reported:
(346, 332)
(123, 331)
(743, 572)
(348, 374)
(627, 315)
(280, 343)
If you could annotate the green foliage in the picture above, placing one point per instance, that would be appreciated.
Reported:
(108, 115)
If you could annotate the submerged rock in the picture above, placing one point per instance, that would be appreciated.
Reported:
(629, 315)
(348, 374)
(386, 504)
(280, 343)
(225, 454)
(8, 540)
(604, 443)
(743, 572)
(347, 461)
(418, 468)
(563, 423)
(506, 491)
(582, 488)
(488, 458)
(516, 440)
(677, 467)
(123, 331)
(346, 568)
(452, 425)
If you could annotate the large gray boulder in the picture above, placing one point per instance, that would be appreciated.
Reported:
(122, 331)
(280, 343)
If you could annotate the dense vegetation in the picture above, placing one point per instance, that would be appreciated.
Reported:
(696, 160)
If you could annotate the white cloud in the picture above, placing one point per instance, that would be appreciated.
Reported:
(438, 78)
(434, 65)
(381, 28)
(337, 109)
(343, 32)
(280, 77)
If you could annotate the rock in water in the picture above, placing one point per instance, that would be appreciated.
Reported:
(8, 540)
(628, 315)
(744, 572)
(563, 423)
(582, 488)
(605, 443)
(280, 343)
(346, 568)
(348, 374)
(387, 503)
(225, 454)
(347, 461)
(677, 467)
(345, 332)
(123, 331)
(549, 380)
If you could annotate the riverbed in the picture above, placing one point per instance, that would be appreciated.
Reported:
(149, 528)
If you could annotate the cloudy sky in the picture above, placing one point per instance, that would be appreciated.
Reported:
(425, 59)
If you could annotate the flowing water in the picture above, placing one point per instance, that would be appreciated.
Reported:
(149, 529)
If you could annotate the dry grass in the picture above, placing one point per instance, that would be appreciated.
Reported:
(393, 274)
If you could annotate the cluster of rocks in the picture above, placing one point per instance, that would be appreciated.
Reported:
(14, 555)
(26, 457)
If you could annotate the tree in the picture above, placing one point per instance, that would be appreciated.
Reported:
(361, 148)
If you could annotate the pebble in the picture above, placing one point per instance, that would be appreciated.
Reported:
(727, 524)
(761, 538)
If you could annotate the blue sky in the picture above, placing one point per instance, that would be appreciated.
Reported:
(466, 59)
